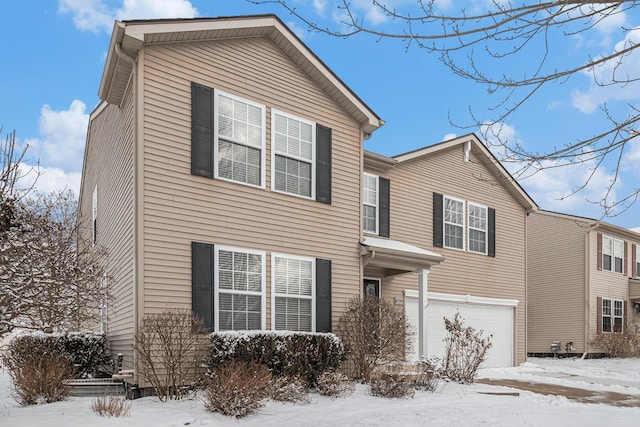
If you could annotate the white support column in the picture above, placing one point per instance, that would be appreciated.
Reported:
(423, 302)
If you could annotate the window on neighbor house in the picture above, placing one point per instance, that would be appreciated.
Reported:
(612, 315)
(293, 293)
(618, 255)
(239, 291)
(612, 254)
(477, 228)
(453, 223)
(370, 202)
(637, 261)
(294, 150)
(240, 139)
(607, 253)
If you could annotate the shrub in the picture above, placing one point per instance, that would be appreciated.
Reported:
(392, 385)
(86, 351)
(237, 388)
(289, 354)
(427, 376)
(465, 350)
(374, 332)
(289, 389)
(171, 350)
(618, 344)
(111, 406)
(334, 384)
(39, 378)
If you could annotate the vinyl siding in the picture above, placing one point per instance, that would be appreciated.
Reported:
(181, 208)
(556, 282)
(413, 183)
(109, 165)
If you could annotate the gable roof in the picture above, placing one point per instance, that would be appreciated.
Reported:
(591, 223)
(129, 37)
(485, 156)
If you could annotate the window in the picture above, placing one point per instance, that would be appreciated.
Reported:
(94, 215)
(477, 228)
(612, 254)
(293, 293)
(637, 261)
(370, 202)
(453, 223)
(239, 291)
(612, 315)
(293, 159)
(239, 151)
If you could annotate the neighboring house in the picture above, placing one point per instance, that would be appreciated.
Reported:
(223, 173)
(583, 280)
(456, 199)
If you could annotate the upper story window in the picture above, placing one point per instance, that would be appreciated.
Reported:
(370, 202)
(293, 164)
(293, 293)
(636, 260)
(613, 256)
(463, 225)
(477, 228)
(612, 315)
(453, 223)
(240, 289)
(240, 141)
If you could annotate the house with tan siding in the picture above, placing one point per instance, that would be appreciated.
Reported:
(455, 199)
(583, 279)
(223, 172)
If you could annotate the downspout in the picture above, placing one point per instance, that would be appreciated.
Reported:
(587, 289)
(134, 70)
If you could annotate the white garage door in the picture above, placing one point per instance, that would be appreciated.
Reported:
(495, 319)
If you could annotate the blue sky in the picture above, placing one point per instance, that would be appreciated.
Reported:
(54, 54)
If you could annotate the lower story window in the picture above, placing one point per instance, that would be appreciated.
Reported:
(612, 315)
(293, 292)
(239, 289)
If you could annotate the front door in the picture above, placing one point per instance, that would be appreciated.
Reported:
(371, 287)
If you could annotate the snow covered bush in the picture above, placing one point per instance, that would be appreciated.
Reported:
(39, 378)
(238, 388)
(171, 350)
(375, 333)
(392, 385)
(427, 376)
(289, 389)
(465, 350)
(85, 351)
(111, 406)
(334, 384)
(290, 354)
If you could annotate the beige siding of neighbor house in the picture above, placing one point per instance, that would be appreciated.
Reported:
(556, 282)
(180, 208)
(108, 165)
(607, 284)
(413, 183)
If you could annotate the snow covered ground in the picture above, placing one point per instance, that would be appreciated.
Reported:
(451, 405)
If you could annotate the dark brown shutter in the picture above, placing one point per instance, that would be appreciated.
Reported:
(624, 263)
(599, 326)
(634, 263)
(202, 130)
(599, 253)
(202, 283)
(491, 235)
(384, 198)
(437, 220)
(323, 164)
(625, 306)
(323, 295)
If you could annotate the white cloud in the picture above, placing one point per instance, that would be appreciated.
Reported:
(47, 180)
(449, 136)
(320, 6)
(96, 16)
(618, 70)
(63, 134)
(631, 160)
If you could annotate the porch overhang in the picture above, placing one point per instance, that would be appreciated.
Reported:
(634, 289)
(396, 257)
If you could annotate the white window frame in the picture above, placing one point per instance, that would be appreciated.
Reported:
(607, 250)
(377, 203)
(274, 294)
(445, 222)
(218, 291)
(612, 315)
(262, 147)
(637, 260)
(618, 254)
(274, 152)
(94, 215)
(485, 230)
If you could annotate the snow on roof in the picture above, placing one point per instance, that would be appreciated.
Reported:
(396, 246)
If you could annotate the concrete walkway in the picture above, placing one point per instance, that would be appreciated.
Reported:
(572, 393)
